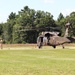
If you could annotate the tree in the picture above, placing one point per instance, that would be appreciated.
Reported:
(8, 28)
(29, 19)
(15, 30)
(60, 17)
(1, 29)
(72, 14)
(12, 16)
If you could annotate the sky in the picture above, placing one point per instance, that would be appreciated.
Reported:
(55, 7)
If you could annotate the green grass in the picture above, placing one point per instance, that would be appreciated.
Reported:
(33, 61)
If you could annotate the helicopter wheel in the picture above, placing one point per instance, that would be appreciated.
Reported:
(39, 45)
(63, 46)
(54, 46)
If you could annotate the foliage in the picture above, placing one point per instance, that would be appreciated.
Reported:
(60, 17)
(15, 30)
(1, 29)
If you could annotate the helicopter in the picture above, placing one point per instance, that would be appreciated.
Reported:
(53, 39)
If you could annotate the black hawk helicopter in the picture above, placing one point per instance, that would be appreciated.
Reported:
(53, 39)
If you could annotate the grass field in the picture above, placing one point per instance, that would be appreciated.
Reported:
(34, 61)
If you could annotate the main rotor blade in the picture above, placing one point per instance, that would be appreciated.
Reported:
(41, 28)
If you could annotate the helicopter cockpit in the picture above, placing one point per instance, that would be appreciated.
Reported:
(44, 38)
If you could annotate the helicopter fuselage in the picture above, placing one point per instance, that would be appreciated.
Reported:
(51, 40)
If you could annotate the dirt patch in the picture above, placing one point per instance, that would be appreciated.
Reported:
(30, 45)
(19, 45)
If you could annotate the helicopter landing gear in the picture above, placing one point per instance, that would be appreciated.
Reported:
(63, 46)
(54, 46)
(39, 45)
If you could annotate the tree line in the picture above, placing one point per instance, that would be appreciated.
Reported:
(20, 28)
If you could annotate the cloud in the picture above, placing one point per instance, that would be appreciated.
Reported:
(67, 12)
(49, 1)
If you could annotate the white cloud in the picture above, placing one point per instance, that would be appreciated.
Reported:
(67, 12)
(49, 1)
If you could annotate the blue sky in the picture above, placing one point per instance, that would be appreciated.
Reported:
(55, 7)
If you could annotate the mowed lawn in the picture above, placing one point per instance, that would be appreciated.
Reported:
(33, 61)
